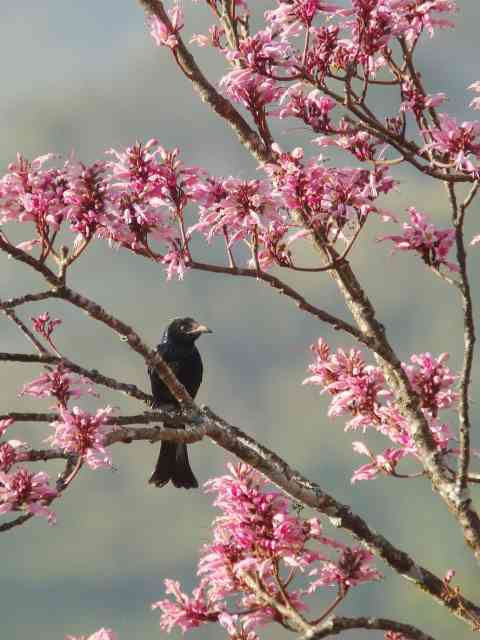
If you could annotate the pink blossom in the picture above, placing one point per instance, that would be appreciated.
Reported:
(214, 38)
(85, 197)
(425, 238)
(81, 433)
(352, 568)
(176, 262)
(355, 387)
(458, 142)
(187, 613)
(235, 628)
(394, 635)
(262, 53)
(383, 463)
(163, 34)
(360, 143)
(255, 539)
(44, 325)
(149, 188)
(475, 103)
(449, 576)
(4, 424)
(314, 108)
(326, 51)
(59, 383)
(26, 491)
(360, 390)
(250, 89)
(432, 381)
(30, 193)
(330, 200)
(414, 100)
(101, 634)
(9, 453)
(238, 207)
(293, 17)
(475, 240)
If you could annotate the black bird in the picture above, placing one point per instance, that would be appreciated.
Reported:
(178, 350)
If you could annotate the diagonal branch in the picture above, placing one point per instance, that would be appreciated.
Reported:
(205, 423)
(310, 494)
(337, 323)
(26, 331)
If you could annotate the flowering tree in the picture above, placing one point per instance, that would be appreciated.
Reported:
(316, 63)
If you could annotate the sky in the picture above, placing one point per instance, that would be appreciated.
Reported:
(83, 78)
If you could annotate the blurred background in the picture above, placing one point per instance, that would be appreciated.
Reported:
(85, 77)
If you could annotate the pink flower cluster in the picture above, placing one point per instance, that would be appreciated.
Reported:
(137, 198)
(360, 391)
(456, 143)
(81, 433)
(426, 239)
(259, 547)
(44, 325)
(77, 433)
(22, 490)
(164, 34)
(414, 100)
(31, 193)
(339, 37)
(59, 383)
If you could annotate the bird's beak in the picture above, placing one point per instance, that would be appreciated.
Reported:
(200, 328)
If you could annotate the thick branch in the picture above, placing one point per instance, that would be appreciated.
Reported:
(193, 432)
(206, 423)
(335, 625)
(310, 494)
(408, 402)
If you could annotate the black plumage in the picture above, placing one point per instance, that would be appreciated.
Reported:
(178, 349)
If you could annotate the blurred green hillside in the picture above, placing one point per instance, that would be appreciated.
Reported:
(85, 77)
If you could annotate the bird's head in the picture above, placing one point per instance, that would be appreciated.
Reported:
(185, 330)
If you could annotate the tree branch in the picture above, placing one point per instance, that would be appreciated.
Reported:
(284, 289)
(458, 219)
(10, 313)
(91, 374)
(205, 423)
(336, 625)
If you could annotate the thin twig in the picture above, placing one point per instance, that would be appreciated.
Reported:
(458, 218)
(26, 331)
(29, 297)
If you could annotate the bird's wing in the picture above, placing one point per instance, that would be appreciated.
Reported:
(160, 391)
(174, 365)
